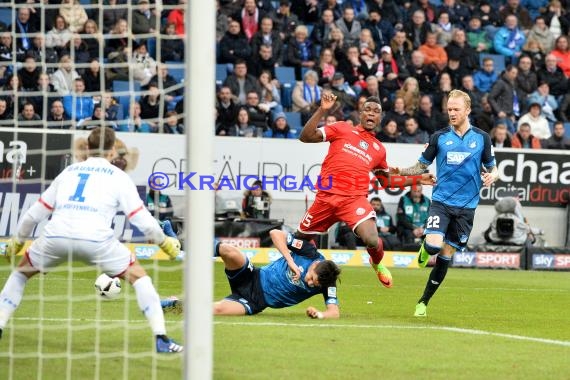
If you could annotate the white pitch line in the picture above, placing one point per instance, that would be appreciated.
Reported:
(563, 343)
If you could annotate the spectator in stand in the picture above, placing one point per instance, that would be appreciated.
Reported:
(259, 114)
(562, 53)
(177, 17)
(249, 18)
(335, 42)
(500, 136)
(30, 73)
(389, 72)
(171, 45)
(526, 80)
(458, 47)
(38, 50)
(354, 69)
(46, 93)
(442, 29)
(226, 110)
(410, 93)
(266, 35)
(346, 96)
(143, 18)
(391, 12)
(78, 49)
(459, 14)
(514, 9)
(285, 20)
(564, 109)
(553, 75)
(381, 29)
(57, 118)
(331, 6)
(143, 65)
(468, 86)
(412, 134)
(135, 122)
(74, 15)
(548, 104)
(92, 38)
(441, 93)
(373, 89)
(234, 45)
(429, 118)
(221, 22)
(477, 37)
(307, 95)
(111, 108)
(485, 120)
(322, 29)
(533, 49)
(506, 99)
(25, 30)
(424, 5)
(412, 216)
(117, 41)
(77, 105)
(424, 74)
(558, 140)
(14, 94)
(349, 26)
(28, 117)
(401, 48)
(270, 96)
(112, 13)
(490, 19)
(173, 125)
(243, 127)
(434, 54)
(265, 60)
(367, 48)
(326, 67)
(153, 106)
(509, 39)
(537, 122)
(556, 19)
(5, 115)
(398, 113)
(241, 83)
(167, 84)
(59, 36)
(541, 33)
(417, 30)
(524, 139)
(300, 51)
(280, 128)
(93, 78)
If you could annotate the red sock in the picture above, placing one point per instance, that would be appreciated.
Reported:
(376, 253)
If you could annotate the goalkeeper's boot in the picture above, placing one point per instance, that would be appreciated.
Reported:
(421, 310)
(384, 275)
(423, 256)
(171, 303)
(166, 345)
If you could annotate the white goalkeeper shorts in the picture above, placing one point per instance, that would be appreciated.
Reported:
(110, 257)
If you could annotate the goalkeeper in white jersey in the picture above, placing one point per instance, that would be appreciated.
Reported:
(82, 202)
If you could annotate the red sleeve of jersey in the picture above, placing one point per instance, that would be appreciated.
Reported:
(335, 130)
(382, 164)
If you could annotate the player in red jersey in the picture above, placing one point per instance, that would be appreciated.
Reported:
(345, 178)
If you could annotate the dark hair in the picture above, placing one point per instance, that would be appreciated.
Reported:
(100, 135)
(327, 273)
(376, 199)
(373, 99)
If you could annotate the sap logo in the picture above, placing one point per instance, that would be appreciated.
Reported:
(562, 261)
(145, 252)
(542, 261)
(403, 260)
(464, 258)
(273, 255)
(341, 258)
(456, 158)
(250, 254)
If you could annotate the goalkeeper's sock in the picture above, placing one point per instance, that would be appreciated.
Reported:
(436, 277)
(149, 303)
(376, 253)
(11, 296)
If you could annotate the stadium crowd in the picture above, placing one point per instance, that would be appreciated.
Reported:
(66, 64)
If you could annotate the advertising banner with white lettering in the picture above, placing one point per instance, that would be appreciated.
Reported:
(541, 179)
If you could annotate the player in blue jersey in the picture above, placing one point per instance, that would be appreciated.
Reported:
(301, 273)
(465, 160)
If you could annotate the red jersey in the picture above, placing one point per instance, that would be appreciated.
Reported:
(353, 154)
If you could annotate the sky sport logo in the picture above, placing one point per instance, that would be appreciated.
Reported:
(339, 181)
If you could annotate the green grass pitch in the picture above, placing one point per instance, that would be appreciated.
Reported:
(482, 324)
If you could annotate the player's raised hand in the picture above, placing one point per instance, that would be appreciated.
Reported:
(328, 100)
(170, 246)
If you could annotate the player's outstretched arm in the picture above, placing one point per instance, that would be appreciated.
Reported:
(310, 133)
(489, 177)
(332, 312)
(279, 239)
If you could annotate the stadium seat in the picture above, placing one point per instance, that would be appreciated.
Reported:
(294, 120)
(498, 61)
(567, 130)
(124, 86)
(285, 74)
(6, 15)
(151, 47)
(221, 73)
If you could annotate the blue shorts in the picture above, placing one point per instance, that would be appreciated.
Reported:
(453, 223)
(246, 288)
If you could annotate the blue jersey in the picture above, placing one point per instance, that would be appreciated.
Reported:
(277, 283)
(459, 162)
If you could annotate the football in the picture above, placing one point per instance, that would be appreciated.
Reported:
(108, 287)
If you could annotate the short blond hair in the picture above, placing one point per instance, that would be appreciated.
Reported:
(460, 94)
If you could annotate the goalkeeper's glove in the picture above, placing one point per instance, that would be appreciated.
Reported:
(13, 246)
(170, 246)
